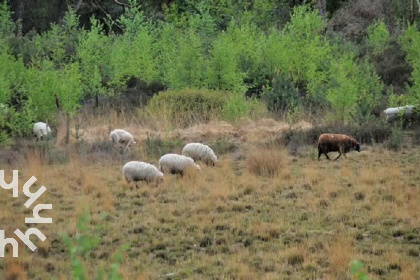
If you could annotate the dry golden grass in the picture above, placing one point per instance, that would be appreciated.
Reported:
(14, 271)
(263, 215)
(266, 162)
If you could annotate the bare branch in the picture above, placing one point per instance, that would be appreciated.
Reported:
(122, 4)
(77, 6)
(107, 15)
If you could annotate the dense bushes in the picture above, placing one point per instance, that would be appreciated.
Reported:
(297, 65)
(282, 95)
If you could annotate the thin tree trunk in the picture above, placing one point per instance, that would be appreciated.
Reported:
(57, 103)
(67, 139)
(322, 8)
(20, 16)
(77, 5)
(411, 11)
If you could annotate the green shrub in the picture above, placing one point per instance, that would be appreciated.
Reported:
(236, 108)
(188, 106)
(223, 146)
(378, 36)
(396, 138)
(256, 109)
(156, 147)
(281, 95)
(410, 43)
(358, 271)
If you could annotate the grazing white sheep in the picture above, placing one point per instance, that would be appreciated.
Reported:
(406, 112)
(176, 164)
(198, 151)
(41, 130)
(122, 136)
(134, 171)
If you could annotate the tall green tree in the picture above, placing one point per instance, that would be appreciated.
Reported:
(132, 52)
(301, 52)
(182, 57)
(410, 42)
(94, 59)
(224, 72)
(354, 88)
(51, 91)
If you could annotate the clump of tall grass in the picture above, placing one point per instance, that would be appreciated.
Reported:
(266, 162)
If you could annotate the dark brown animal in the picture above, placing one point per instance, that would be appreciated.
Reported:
(336, 143)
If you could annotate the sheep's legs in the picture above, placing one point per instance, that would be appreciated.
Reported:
(320, 152)
(341, 151)
(338, 156)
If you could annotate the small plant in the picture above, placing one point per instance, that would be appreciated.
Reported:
(236, 108)
(78, 133)
(84, 241)
(294, 115)
(80, 245)
(223, 146)
(396, 138)
(282, 95)
(156, 147)
(357, 270)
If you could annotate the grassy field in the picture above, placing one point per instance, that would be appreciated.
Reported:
(261, 213)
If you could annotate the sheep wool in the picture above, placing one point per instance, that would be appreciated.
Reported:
(405, 112)
(176, 164)
(41, 130)
(198, 151)
(135, 171)
(122, 136)
(340, 143)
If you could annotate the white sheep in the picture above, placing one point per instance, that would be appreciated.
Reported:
(176, 164)
(198, 151)
(41, 130)
(134, 171)
(406, 112)
(122, 136)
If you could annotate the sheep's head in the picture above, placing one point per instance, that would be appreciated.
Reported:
(196, 166)
(211, 162)
(159, 178)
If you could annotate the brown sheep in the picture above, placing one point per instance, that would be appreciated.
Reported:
(336, 143)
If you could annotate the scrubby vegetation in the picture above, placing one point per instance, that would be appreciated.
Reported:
(258, 81)
(261, 213)
(299, 65)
